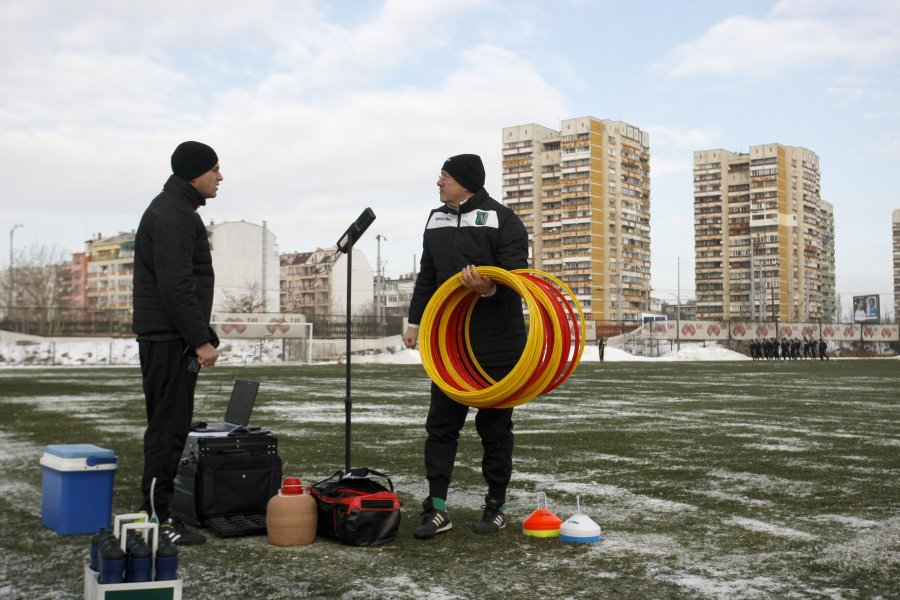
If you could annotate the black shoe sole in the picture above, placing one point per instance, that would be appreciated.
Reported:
(429, 535)
(487, 531)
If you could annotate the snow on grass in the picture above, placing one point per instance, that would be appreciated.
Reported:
(562, 489)
(736, 498)
(717, 586)
(873, 549)
(784, 447)
(234, 352)
(849, 521)
(771, 529)
(16, 455)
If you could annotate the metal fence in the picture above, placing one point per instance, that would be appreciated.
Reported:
(117, 323)
(56, 322)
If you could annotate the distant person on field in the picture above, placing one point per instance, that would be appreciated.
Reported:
(601, 347)
(173, 297)
(823, 350)
(470, 230)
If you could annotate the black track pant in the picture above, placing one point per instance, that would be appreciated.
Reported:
(169, 396)
(446, 418)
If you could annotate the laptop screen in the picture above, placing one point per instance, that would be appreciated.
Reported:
(243, 395)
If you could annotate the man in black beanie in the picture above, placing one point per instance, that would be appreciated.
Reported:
(467, 170)
(193, 162)
(471, 229)
(173, 297)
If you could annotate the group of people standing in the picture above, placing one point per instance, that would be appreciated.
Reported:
(173, 297)
(788, 348)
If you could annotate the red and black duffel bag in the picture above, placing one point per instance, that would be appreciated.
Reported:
(357, 510)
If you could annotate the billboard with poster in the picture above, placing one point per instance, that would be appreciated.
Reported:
(867, 309)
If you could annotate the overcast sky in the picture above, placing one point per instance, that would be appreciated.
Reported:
(319, 109)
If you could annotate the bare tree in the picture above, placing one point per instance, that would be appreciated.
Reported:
(249, 300)
(365, 310)
(41, 290)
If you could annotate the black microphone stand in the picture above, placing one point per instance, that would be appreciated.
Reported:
(345, 245)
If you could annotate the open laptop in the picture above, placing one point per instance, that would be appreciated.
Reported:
(240, 405)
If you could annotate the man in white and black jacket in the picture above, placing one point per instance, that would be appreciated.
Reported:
(470, 230)
(173, 298)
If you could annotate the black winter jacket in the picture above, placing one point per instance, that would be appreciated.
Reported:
(173, 272)
(482, 233)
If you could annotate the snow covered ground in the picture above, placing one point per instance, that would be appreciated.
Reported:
(693, 352)
(118, 351)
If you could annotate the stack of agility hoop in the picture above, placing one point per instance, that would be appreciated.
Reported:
(553, 348)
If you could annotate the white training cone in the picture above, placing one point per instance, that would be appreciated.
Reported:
(579, 528)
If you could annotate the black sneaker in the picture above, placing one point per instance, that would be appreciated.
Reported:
(176, 532)
(433, 521)
(492, 520)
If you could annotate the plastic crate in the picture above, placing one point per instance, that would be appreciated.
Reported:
(144, 590)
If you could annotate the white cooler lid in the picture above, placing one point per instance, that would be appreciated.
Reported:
(78, 457)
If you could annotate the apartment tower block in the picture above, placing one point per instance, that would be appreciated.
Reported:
(826, 264)
(895, 220)
(583, 193)
(763, 238)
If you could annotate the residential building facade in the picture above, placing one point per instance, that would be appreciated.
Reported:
(760, 250)
(398, 295)
(315, 283)
(246, 262)
(673, 310)
(110, 270)
(76, 274)
(826, 264)
(73, 300)
(100, 290)
(896, 236)
(583, 193)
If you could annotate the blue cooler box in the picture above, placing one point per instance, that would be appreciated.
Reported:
(77, 487)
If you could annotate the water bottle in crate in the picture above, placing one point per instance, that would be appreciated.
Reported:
(131, 570)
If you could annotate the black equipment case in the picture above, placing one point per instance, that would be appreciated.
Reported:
(225, 481)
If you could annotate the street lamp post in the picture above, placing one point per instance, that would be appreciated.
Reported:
(10, 296)
(379, 287)
(619, 307)
(752, 282)
(678, 309)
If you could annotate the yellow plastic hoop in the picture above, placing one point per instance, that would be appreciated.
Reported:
(553, 347)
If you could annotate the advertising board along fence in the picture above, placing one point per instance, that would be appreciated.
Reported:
(293, 330)
(261, 325)
(709, 331)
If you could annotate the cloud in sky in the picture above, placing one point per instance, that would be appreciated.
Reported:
(313, 119)
(796, 35)
(320, 109)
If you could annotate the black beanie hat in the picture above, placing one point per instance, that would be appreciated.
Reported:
(467, 169)
(192, 159)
